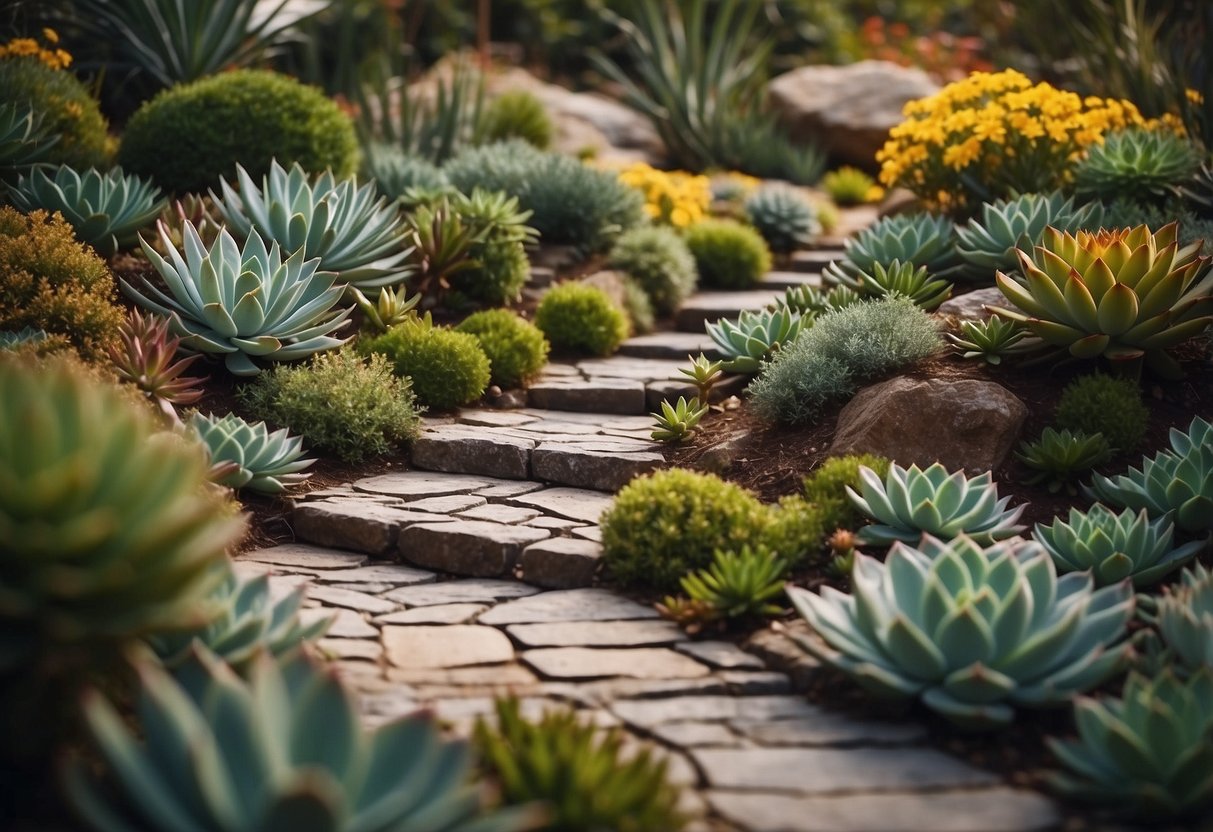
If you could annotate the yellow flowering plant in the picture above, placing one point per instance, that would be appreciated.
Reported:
(674, 198)
(994, 135)
(51, 55)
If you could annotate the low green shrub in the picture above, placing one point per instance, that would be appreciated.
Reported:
(516, 348)
(338, 402)
(517, 114)
(500, 267)
(660, 262)
(447, 368)
(396, 172)
(580, 318)
(663, 525)
(825, 487)
(1099, 403)
(796, 530)
(728, 255)
(190, 136)
(65, 109)
(639, 307)
(49, 281)
(841, 350)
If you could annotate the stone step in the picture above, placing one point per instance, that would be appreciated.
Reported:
(813, 261)
(782, 281)
(706, 307)
(604, 395)
(675, 346)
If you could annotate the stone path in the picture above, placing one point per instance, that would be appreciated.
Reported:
(472, 575)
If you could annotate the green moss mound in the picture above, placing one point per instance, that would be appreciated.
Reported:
(516, 348)
(66, 109)
(660, 262)
(580, 318)
(727, 254)
(447, 368)
(1100, 403)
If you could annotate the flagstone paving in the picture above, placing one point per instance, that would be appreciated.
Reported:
(473, 575)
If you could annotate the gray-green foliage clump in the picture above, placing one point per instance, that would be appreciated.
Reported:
(516, 348)
(517, 114)
(571, 202)
(1100, 403)
(842, 350)
(660, 262)
(729, 255)
(447, 368)
(190, 136)
(339, 402)
(580, 318)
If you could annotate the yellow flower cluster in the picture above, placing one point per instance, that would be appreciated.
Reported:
(51, 55)
(676, 198)
(992, 135)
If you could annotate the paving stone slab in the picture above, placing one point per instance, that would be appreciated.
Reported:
(982, 810)
(437, 614)
(477, 591)
(614, 690)
(466, 450)
(604, 470)
(646, 714)
(639, 369)
(448, 503)
(721, 654)
(414, 485)
(467, 547)
(495, 513)
(814, 260)
(455, 645)
(492, 675)
(494, 418)
(380, 573)
(359, 601)
(298, 555)
(755, 682)
(554, 523)
(568, 605)
(782, 281)
(707, 307)
(697, 735)
(560, 562)
(599, 663)
(826, 728)
(352, 649)
(589, 533)
(353, 524)
(605, 395)
(509, 489)
(593, 420)
(643, 633)
(571, 503)
(345, 623)
(836, 770)
(674, 346)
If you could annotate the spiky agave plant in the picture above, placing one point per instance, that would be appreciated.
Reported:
(739, 584)
(144, 356)
(992, 340)
(906, 280)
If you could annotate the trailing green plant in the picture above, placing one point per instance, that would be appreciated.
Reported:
(499, 267)
(341, 403)
(992, 340)
(144, 356)
(910, 502)
(825, 487)
(704, 374)
(395, 306)
(658, 259)
(399, 173)
(243, 304)
(1136, 163)
(99, 492)
(907, 281)
(988, 243)
(290, 737)
(580, 318)
(677, 421)
(1148, 754)
(571, 203)
(740, 584)
(849, 186)
(972, 632)
(51, 282)
(1113, 547)
(62, 107)
(755, 337)
(1185, 618)
(24, 141)
(1100, 403)
(106, 210)
(783, 216)
(517, 114)
(167, 42)
(924, 240)
(665, 524)
(580, 773)
(1176, 482)
(1127, 295)
(352, 230)
(516, 348)
(1059, 458)
(249, 621)
(267, 462)
(246, 117)
(447, 369)
(842, 349)
(728, 255)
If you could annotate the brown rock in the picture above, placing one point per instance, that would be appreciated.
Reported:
(971, 306)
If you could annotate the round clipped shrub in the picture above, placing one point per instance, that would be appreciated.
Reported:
(338, 402)
(580, 318)
(657, 258)
(728, 255)
(517, 114)
(189, 136)
(663, 525)
(516, 348)
(447, 368)
(49, 281)
(1100, 403)
(65, 108)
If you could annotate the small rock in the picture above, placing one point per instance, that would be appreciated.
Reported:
(971, 306)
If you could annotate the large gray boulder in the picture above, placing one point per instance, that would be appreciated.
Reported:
(848, 110)
(967, 424)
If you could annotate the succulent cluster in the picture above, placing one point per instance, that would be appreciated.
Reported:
(738, 585)
(1136, 163)
(922, 240)
(783, 216)
(904, 280)
(144, 356)
(677, 421)
(1185, 618)
(266, 462)
(992, 340)
(988, 243)
(1060, 457)
(755, 337)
